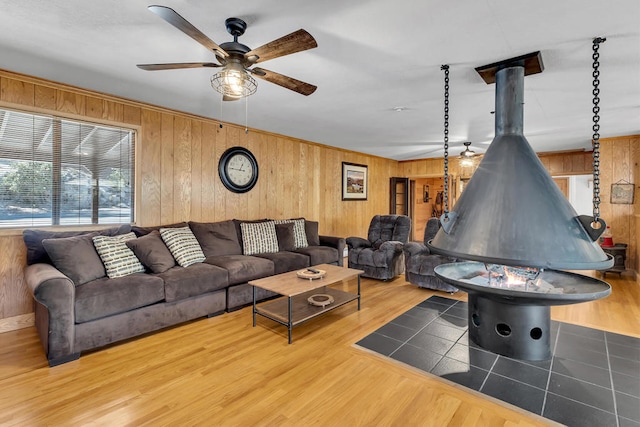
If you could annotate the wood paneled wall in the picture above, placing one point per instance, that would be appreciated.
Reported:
(177, 174)
(619, 162)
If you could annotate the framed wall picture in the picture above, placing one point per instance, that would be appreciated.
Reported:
(355, 180)
(622, 193)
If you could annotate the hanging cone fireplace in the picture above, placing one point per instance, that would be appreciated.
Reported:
(518, 231)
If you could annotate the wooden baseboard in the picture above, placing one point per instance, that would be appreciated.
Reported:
(17, 322)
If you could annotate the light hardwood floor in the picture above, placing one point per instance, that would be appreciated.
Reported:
(222, 371)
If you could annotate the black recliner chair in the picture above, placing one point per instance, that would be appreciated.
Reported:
(380, 255)
(419, 262)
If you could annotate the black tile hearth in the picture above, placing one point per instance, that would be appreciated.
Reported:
(522, 372)
(592, 379)
(474, 356)
(417, 357)
(380, 343)
(514, 392)
(460, 372)
(572, 413)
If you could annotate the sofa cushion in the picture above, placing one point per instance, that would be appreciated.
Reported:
(197, 279)
(141, 231)
(299, 233)
(37, 253)
(242, 268)
(152, 252)
(117, 258)
(311, 229)
(259, 237)
(183, 245)
(76, 257)
(217, 238)
(286, 261)
(369, 257)
(320, 254)
(105, 297)
(286, 241)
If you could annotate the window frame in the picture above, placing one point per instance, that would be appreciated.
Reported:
(134, 186)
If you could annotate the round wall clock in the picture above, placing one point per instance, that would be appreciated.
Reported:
(238, 169)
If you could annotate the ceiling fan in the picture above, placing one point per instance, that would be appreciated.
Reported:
(234, 81)
(428, 148)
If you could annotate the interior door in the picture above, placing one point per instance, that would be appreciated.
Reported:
(399, 203)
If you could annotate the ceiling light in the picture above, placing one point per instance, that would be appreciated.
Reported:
(234, 82)
(467, 152)
(468, 162)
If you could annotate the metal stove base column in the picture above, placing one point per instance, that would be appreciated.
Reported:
(519, 331)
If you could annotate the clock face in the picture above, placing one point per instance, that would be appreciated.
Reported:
(238, 169)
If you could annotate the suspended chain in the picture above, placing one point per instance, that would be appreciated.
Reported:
(596, 129)
(445, 68)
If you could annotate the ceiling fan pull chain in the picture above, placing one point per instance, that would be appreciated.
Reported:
(220, 112)
(596, 129)
(246, 115)
(445, 68)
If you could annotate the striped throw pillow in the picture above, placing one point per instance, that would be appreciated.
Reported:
(183, 245)
(259, 237)
(299, 233)
(117, 258)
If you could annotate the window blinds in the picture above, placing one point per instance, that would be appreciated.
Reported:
(57, 171)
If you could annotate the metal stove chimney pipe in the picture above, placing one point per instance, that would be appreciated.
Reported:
(511, 211)
(509, 114)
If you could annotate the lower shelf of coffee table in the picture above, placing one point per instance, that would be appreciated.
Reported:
(301, 310)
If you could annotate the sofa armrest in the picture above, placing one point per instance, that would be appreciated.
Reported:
(56, 292)
(335, 242)
(357, 242)
(415, 248)
(391, 246)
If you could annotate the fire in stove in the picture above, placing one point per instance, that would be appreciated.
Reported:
(523, 279)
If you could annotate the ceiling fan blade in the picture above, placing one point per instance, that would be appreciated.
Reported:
(291, 43)
(177, 65)
(284, 81)
(174, 18)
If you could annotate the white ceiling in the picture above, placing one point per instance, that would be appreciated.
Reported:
(372, 56)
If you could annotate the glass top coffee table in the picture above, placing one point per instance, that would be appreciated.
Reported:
(295, 308)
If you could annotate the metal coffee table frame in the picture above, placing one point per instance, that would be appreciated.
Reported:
(294, 309)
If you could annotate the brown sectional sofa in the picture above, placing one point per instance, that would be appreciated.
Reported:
(78, 307)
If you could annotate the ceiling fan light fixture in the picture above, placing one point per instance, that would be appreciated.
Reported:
(467, 153)
(234, 82)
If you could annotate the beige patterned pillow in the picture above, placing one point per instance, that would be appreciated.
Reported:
(259, 237)
(299, 233)
(117, 258)
(183, 245)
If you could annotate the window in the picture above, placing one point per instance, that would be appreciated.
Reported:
(57, 171)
